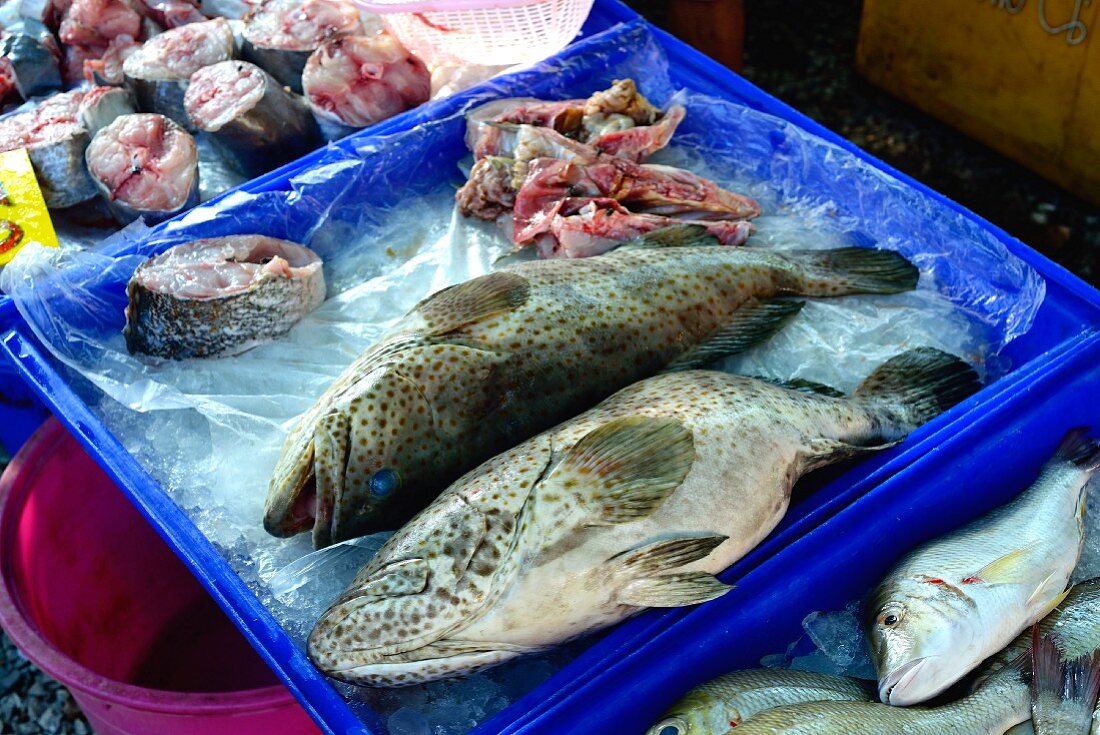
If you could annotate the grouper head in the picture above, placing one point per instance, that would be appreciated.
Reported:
(401, 621)
(354, 462)
(924, 635)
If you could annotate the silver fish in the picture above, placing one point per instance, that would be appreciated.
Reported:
(211, 297)
(636, 503)
(999, 704)
(956, 601)
(479, 366)
(726, 702)
(34, 56)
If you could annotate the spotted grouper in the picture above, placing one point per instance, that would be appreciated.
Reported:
(636, 503)
(480, 366)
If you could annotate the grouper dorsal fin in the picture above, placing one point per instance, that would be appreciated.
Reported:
(470, 302)
(630, 465)
(752, 324)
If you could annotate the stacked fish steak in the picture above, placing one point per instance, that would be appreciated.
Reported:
(168, 60)
(994, 591)
(568, 177)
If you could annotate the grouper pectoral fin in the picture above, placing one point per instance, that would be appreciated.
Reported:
(469, 302)
(652, 584)
(755, 322)
(824, 451)
(629, 465)
(405, 577)
(673, 590)
(330, 447)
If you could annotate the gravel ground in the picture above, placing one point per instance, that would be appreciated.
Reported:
(801, 51)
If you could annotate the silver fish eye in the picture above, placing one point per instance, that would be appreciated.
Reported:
(891, 614)
(384, 482)
(671, 726)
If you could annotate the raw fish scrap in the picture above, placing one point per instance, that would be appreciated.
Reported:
(221, 295)
(600, 121)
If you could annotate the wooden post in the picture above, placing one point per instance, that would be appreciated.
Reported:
(715, 27)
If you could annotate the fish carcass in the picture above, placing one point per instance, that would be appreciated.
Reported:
(952, 603)
(220, 296)
(635, 503)
(476, 367)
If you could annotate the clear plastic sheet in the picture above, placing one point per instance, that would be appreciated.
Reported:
(379, 211)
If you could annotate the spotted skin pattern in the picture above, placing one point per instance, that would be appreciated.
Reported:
(531, 548)
(478, 367)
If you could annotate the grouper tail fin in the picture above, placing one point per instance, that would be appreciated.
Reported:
(918, 385)
(850, 271)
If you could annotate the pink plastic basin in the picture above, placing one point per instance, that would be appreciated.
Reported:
(92, 595)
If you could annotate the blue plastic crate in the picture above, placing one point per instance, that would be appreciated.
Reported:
(986, 464)
(1066, 321)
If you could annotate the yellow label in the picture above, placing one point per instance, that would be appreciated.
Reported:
(23, 214)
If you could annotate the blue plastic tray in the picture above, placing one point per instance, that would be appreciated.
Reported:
(1068, 318)
(21, 412)
(997, 455)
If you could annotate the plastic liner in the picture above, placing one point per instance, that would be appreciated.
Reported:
(379, 211)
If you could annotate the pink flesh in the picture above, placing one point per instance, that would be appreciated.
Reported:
(359, 80)
(92, 97)
(639, 143)
(581, 228)
(109, 65)
(221, 92)
(206, 269)
(54, 120)
(76, 58)
(180, 52)
(171, 13)
(95, 22)
(146, 161)
(645, 189)
(7, 78)
(300, 25)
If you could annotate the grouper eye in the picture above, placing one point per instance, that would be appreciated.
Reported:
(383, 483)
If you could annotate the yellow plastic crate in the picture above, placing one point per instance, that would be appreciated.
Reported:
(1022, 76)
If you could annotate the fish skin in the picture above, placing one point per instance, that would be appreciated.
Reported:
(167, 325)
(606, 514)
(502, 357)
(32, 51)
(1000, 704)
(962, 597)
(711, 708)
(101, 106)
(277, 129)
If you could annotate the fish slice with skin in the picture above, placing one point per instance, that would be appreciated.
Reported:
(1001, 703)
(959, 599)
(727, 701)
(477, 367)
(636, 503)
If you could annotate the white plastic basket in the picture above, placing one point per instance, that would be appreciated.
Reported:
(486, 32)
